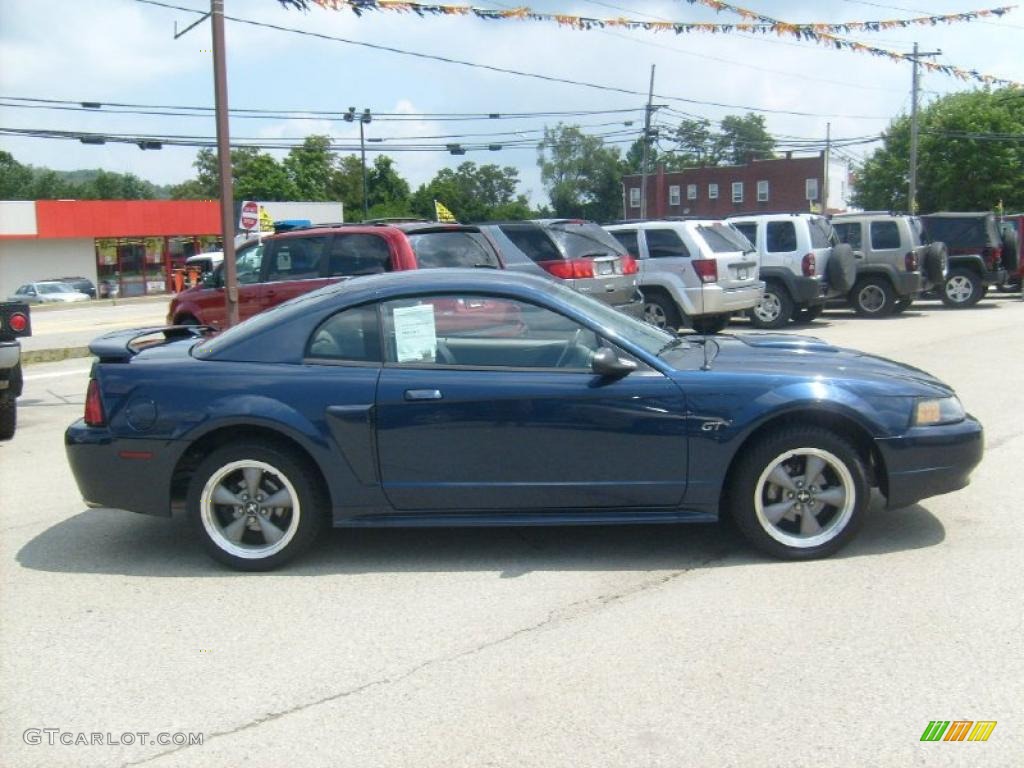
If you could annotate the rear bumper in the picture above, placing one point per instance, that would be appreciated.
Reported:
(634, 308)
(122, 474)
(908, 283)
(809, 291)
(994, 277)
(718, 300)
(10, 354)
(930, 461)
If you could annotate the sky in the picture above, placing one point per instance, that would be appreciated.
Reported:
(124, 51)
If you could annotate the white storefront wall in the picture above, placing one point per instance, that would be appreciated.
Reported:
(24, 261)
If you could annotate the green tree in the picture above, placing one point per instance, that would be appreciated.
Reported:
(15, 178)
(583, 177)
(745, 138)
(970, 156)
(385, 186)
(474, 193)
(310, 168)
(256, 176)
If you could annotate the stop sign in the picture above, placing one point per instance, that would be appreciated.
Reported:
(250, 215)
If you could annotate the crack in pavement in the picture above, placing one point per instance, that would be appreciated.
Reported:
(556, 616)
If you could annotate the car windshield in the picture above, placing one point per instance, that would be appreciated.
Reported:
(452, 249)
(721, 238)
(577, 240)
(54, 288)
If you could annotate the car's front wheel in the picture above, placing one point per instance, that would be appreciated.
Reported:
(256, 505)
(660, 311)
(799, 493)
(8, 417)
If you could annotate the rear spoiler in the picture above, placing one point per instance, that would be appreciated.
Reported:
(122, 346)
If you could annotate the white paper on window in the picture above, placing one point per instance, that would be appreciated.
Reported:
(415, 334)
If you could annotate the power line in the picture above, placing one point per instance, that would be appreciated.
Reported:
(505, 70)
(918, 10)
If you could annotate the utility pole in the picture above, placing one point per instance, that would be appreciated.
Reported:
(828, 158)
(227, 199)
(646, 144)
(364, 118)
(914, 88)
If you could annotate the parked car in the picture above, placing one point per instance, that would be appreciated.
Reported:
(975, 255)
(577, 252)
(80, 284)
(367, 403)
(15, 323)
(206, 262)
(802, 265)
(301, 260)
(47, 292)
(1011, 231)
(893, 265)
(696, 272)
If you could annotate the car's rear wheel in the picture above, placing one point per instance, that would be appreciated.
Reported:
(808, 314)
(774, 309)
(873, 297)
(799, 493)
(660, 311)
(903, 303)
(256, 505)
(963, 288)
(709, 324)
(8, 417)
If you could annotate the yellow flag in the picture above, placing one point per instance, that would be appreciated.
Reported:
(441, 213)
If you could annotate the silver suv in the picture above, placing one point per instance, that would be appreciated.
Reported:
(802, 265)
(893, 266)
(697, 272)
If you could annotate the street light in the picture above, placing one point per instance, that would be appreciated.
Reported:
(364, 118)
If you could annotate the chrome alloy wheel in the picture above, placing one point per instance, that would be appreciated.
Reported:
(805, 498)
(768, 308)
(871, 298)
(250, 509)
(959, 289)
(655, 315)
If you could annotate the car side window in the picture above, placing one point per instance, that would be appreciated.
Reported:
(483, 332)
(628, 240)
(848, 232)
(884, 235)
(296, 258)
(352, 335)
(665, 243)
(780, 237)
(749, 231)
(248, 264)
(357, 254)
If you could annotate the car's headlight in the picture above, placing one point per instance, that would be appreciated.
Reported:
(946, 410)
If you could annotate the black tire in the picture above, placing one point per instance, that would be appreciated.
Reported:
(873, 297)
(903, 303)
(710, 324)
(841, 269)
(936, 262)
(660, 311)
(808, 314)
(962, 288)
(8, 417)
(187, 320)
(775, 308)
(749, 488)
(1011, 250)
(311, 507)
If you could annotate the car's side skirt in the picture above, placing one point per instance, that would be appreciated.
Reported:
(497, 519)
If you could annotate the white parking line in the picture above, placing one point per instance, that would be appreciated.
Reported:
(57, 375)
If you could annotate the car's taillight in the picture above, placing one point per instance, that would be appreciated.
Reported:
(570, 269)
(910, 261)
(993, 256)
(629, 265)
(706, 269)
(808, 265)
(94, 415)
(18, 322)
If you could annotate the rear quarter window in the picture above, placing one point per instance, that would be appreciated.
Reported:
(628, 240)
(452, 249)
(885, 235)
(780, 236)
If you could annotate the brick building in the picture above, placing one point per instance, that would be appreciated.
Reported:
(783, 184)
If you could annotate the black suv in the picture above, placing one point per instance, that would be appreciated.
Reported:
(975, 255)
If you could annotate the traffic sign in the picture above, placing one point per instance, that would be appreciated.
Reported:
(250, 214)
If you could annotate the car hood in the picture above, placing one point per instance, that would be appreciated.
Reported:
(805, 357)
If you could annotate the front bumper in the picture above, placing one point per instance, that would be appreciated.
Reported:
(719, 300)
(930, 461)
(131, 474)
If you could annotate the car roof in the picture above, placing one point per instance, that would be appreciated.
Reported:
(954, 215)
(409, 227)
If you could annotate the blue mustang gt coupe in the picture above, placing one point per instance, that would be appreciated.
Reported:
(449, 397)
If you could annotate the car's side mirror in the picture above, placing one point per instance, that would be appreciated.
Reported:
(211, 279)
(606, 363)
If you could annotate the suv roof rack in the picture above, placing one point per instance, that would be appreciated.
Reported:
(693, 217)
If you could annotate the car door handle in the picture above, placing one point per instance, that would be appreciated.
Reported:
(423, 394)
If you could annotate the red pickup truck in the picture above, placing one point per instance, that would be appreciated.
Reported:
(287, 265)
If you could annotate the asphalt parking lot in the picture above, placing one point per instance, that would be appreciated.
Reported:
(630, 646)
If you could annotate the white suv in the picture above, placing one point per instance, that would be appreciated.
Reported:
(802, 264)
(697, 272)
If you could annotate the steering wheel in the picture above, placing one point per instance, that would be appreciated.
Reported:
(569, 347)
